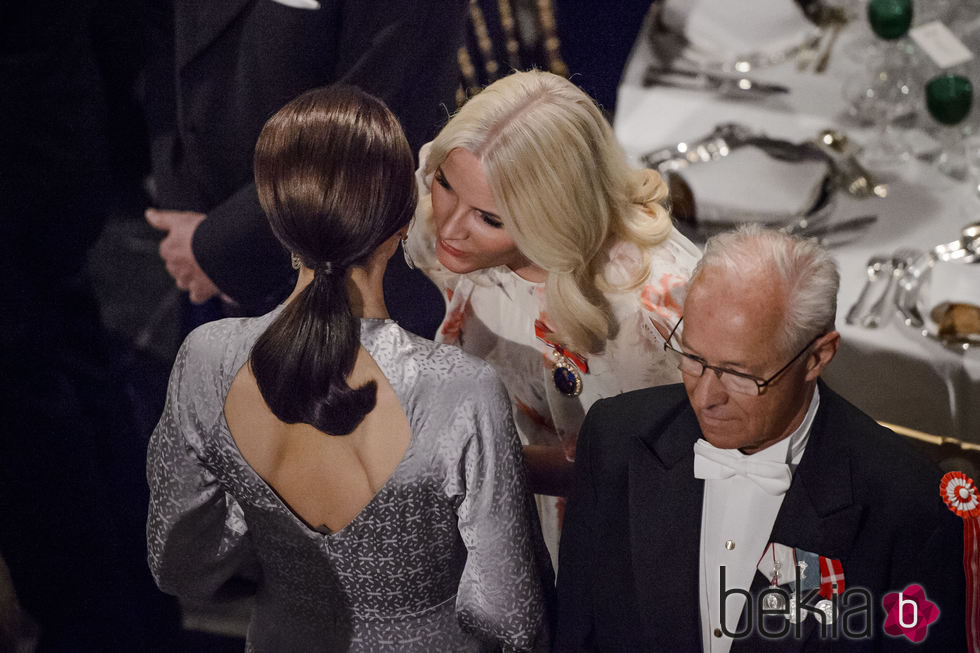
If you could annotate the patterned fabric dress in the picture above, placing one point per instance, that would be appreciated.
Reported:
(445, 557)
(498, 316)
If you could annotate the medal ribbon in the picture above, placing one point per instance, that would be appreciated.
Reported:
(831, 572)
(542, 332)
(960, 495)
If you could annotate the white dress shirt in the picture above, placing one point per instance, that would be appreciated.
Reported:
(736, 520)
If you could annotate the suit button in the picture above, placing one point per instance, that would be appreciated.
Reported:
(717, 632)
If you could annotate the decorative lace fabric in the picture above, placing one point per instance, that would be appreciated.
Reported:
(446, 557)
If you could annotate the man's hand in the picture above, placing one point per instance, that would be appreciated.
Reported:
(176, 252)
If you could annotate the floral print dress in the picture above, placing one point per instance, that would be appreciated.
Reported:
(502, 318)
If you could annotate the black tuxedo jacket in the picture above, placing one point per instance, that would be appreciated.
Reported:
(231, 64)
(629, 560)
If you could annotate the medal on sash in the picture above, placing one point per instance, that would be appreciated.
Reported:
(960, 495)
(568, 366)
(774, 600)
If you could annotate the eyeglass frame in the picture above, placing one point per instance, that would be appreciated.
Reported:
(760, 384)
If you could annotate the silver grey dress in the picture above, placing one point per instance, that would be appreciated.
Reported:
(446, 557)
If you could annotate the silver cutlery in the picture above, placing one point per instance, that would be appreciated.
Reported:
(808, 52)
(877, 266)
(722, 141)
(854, 177)
(824, 59)
(970, 237)
(878, 313)
(831, 20)
(905, 300)
(837, 23)
(827, 228)
(706, 81)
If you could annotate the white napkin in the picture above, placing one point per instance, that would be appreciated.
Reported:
(727, 30)
(954, 283)
(750, 185)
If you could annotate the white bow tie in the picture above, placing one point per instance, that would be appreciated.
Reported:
(710, 462)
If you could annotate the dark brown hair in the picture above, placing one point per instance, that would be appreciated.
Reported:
(335, 177)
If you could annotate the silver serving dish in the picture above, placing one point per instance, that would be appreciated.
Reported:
(669, 47)
(722, 141)
(914, 298)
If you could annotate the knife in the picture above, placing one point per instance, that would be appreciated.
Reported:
(826, 229)
(702, 80)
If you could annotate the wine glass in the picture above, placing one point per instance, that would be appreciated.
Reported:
(890, 19)
(885, 90)
(949, 99)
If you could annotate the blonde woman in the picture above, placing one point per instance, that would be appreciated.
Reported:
(559, 263)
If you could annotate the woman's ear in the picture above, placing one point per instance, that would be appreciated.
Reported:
(390, 246)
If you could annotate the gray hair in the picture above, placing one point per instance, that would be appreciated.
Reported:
(805, 269)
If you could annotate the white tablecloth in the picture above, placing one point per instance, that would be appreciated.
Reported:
(892, 373)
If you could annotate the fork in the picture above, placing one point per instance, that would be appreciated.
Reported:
(900, 261)
(876, 266)
(824, 59)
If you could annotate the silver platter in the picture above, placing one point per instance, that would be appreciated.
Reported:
(914, 290)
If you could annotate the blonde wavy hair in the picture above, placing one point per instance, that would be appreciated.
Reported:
(564, 191)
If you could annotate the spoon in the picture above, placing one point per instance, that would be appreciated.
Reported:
(876, 267)
(879, 310)
(970, 237)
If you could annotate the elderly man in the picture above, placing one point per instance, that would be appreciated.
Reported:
(752, 508)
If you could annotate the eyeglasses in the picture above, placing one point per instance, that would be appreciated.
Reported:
(739, 382)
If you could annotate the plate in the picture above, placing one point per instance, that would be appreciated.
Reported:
(915, 299)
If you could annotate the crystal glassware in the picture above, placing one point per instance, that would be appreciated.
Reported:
(949, 99)
(884, 92)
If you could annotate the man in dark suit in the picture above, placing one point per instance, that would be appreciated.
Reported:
(748, 507)
(230, 65)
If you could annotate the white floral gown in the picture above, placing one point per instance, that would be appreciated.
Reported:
(502, 318)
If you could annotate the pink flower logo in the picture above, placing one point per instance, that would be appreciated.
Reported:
(909, 613)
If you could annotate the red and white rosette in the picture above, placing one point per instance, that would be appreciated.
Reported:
(960, 494)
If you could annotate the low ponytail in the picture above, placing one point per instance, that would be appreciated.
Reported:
(335, 177)
(302, 361)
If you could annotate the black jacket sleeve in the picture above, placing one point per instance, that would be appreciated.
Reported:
(405, 53)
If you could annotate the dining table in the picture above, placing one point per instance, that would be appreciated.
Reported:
(892, 372)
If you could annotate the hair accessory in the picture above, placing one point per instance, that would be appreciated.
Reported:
(294, 258)
(326, 268)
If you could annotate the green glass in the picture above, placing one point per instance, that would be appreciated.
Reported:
(890, 19)
(949, 98)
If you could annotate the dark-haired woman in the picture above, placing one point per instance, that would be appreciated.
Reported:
(364, 484)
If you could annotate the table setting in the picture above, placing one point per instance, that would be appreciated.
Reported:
(847, 121)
